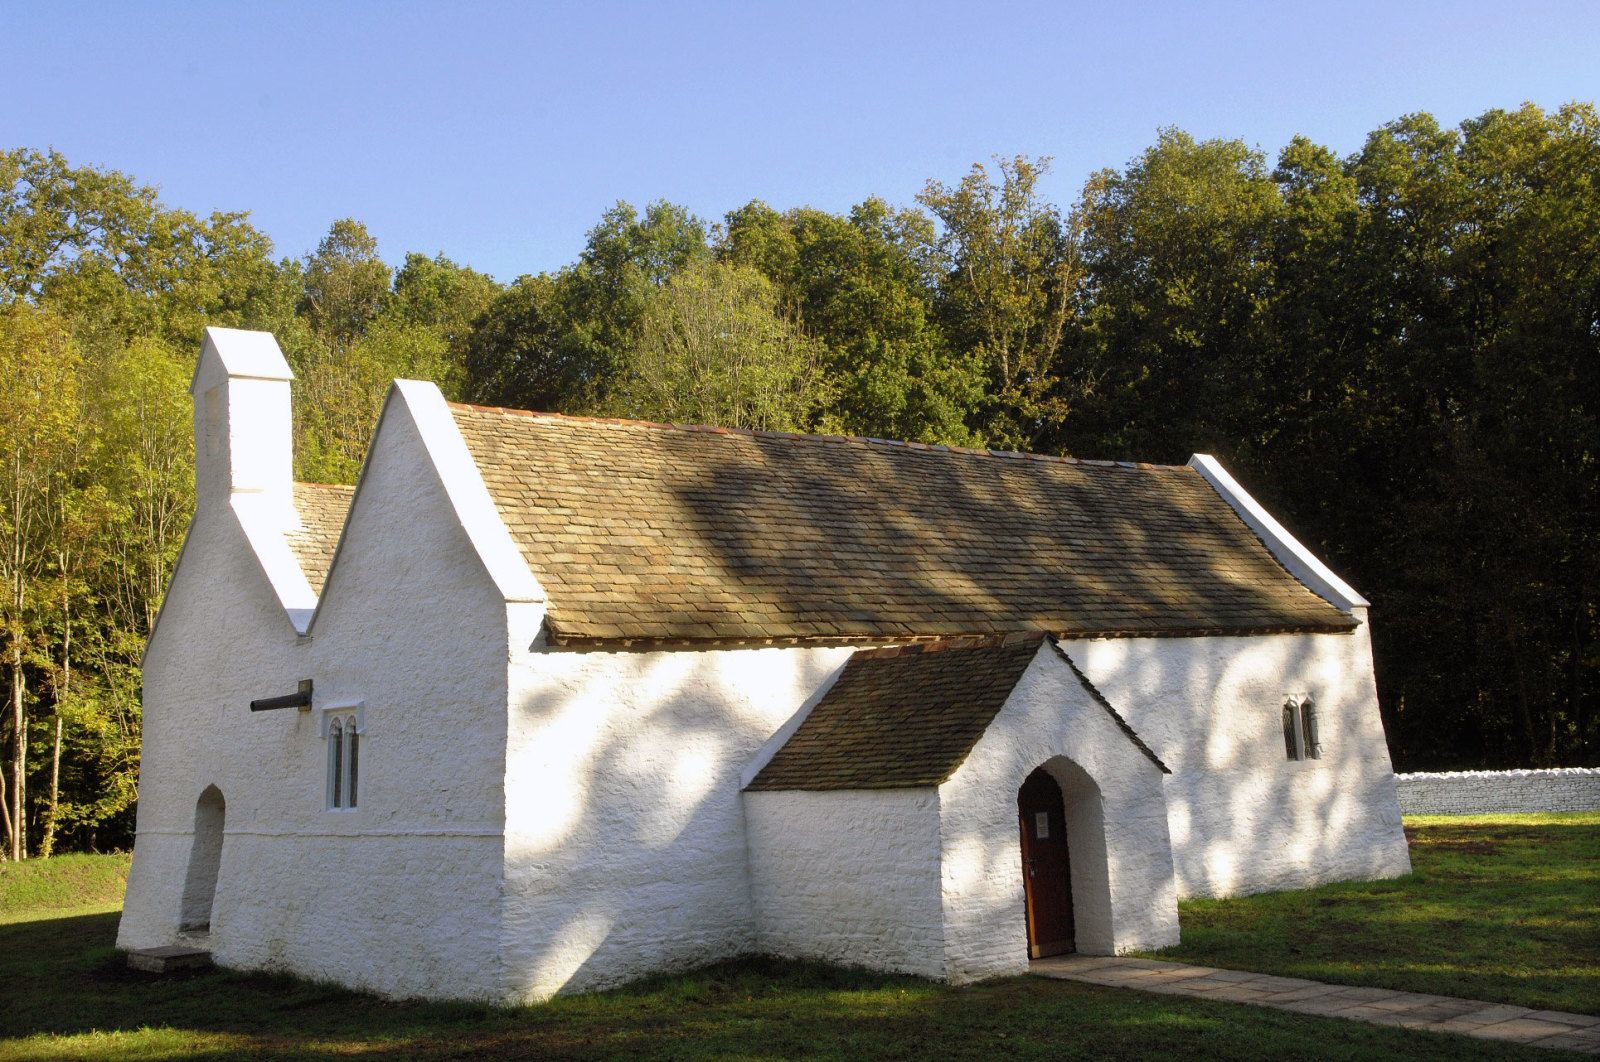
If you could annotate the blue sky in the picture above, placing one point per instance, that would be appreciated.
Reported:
(498, 132)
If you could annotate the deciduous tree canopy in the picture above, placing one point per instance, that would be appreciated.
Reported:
(1398, 350)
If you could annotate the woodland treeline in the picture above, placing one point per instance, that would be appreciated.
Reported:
(1398, 350)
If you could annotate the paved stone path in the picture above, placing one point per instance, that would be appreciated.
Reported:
(1382, 1006)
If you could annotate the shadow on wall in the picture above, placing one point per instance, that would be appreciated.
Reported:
(1244, 817)
(640, 863)
(205, 859)
(1086, 847)
(633, 873)
(645, 867)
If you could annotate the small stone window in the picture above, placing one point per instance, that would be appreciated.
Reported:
(1308, 729)
(1300, 738)
(344, 761)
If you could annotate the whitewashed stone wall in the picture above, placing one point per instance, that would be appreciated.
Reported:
(1500, 792)
(1123, 890)
(534, 820)
(1244, 817)
(848, 877)
(625, 831)
(402, 895)
(223, 639)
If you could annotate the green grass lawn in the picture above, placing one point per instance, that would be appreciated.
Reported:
(1499, 907)
(67, 994)
(75, 884)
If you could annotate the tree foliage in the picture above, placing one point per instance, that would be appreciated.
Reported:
(1398, 349)
(862, 286)
(1008, 269)
(715, 348)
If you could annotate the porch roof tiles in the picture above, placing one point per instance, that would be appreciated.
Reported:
(901, 718)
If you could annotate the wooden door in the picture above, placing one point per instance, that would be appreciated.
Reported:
(1046, 870)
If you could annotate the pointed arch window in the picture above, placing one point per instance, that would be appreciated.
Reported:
(1301, 737)
(1308, 729)
(344, 762)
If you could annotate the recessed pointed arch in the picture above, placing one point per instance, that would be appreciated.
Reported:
(1067, 884)
(205, 861)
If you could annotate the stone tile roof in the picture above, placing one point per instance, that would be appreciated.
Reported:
(650, 533)
(322, 508)
(901, 718)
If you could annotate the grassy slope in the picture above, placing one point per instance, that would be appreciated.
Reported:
(75, 883)
(1504, 908)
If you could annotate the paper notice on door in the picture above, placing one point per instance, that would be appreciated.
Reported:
(1041, 825)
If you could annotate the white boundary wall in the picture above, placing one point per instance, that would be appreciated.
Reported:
(1500, 792)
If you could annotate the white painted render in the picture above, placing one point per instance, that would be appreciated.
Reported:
(471, 505)
(535, 820)
(625, 833)
(1123, 892)
(222, 639)
(850, 877)
(243, 428)
(929, 881)
(402, 894)
(1243, 817)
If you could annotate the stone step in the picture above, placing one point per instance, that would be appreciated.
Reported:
(169, 959)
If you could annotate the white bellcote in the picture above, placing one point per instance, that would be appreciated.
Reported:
(243, 433)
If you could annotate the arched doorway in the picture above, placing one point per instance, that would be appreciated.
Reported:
(205, 859)
(1046, 866)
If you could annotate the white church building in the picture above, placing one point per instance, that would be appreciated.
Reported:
(547, 703)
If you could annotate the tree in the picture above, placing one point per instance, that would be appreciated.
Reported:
(345, 287)
(424, 331)
(346, 284)
(1491, 236)
(625, 260)
(519, 353)
(559, 342)
(1177, 266)
(39, 422)
(437, 294)
(862, 286)
(95, 265)
(714, 349)
(1009, 269)
(105, 253)
(1399, 350)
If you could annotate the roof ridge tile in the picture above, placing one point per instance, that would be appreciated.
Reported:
(768, 433)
